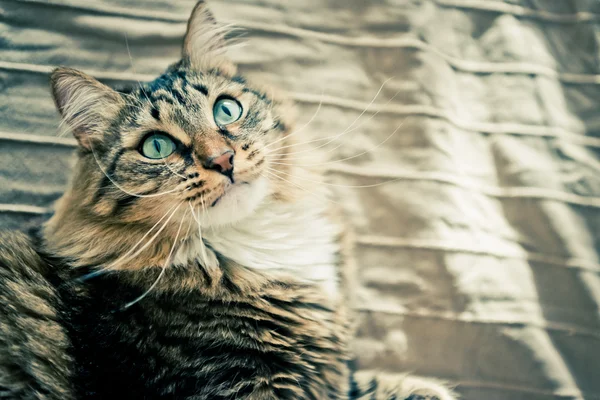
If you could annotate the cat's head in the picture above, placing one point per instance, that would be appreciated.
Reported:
(198, 135)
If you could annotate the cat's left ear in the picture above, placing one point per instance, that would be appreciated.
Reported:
(204, 45)
(86, 105)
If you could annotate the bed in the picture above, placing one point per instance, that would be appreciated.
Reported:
(477, 222)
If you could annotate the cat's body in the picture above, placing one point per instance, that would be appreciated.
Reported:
(196, 336)
(219, 333)
(180, 264)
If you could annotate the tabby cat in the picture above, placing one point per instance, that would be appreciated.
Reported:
(180, 264)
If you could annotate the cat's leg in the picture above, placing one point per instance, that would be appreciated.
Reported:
(387, 386)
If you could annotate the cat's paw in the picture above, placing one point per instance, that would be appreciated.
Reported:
(386, 386)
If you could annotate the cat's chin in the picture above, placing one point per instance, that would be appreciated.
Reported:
(237, 203)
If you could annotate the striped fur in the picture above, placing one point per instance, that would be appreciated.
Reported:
(35, 361)
(166, 279)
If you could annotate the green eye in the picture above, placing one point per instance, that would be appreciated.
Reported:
(227, 111)
(157, 146)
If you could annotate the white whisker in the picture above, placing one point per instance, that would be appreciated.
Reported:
(299, 187)
(133, 69)
(301, 128)
(203, 247)
(164, 268)
(335, 184)
(171, 169)
(348, 128)
(124, 257)
(297, 144)
(343, 159)
(119, 186)
(144, 247)
(188, 229)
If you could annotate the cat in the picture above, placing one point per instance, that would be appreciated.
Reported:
(180, 263)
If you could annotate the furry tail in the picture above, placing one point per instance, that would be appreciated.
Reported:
(368, 385)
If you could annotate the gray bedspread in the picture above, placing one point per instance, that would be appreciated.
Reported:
(478, 231)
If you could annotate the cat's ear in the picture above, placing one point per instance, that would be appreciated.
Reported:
(205, 44)
(86, 105)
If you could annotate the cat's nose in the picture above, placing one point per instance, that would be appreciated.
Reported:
(222, 163)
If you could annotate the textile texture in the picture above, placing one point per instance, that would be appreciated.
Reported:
(477, 222)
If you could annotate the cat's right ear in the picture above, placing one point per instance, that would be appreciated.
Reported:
(205, 43)
(86, 105)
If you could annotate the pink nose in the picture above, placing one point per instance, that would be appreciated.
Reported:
(222, 163)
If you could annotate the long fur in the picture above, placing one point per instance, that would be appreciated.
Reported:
(170, 279)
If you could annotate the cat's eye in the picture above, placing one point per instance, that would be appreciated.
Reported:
(227, 111)
(157, 146)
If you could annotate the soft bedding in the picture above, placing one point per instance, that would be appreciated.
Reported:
(477, 222)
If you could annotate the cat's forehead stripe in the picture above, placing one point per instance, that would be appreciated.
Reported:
(161, 95)
(201, 88)
(178, 102)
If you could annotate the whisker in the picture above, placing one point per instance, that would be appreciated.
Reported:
(119, 186)
(296, 144)
(301, 128)
(92, 275)
(203, 247)
(136, 103)
(135, 100)
(300, 187)
(164, 268)
(347, 158)
(286, 156)
(171, 169)
(347, 130)
(133, 69)
(127, 257)
(203, 205)
(189, 228)
(124, 257)
(338, 185)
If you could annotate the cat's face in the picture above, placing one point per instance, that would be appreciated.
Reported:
(198, 137)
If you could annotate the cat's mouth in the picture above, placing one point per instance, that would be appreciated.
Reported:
(236, 201)
(227, 190)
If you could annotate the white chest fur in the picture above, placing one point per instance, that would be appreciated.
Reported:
(293, 238)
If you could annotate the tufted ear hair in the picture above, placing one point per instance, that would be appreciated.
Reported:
(86, 105)
(205, 44)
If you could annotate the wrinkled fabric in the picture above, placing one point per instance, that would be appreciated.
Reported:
(477, 223)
